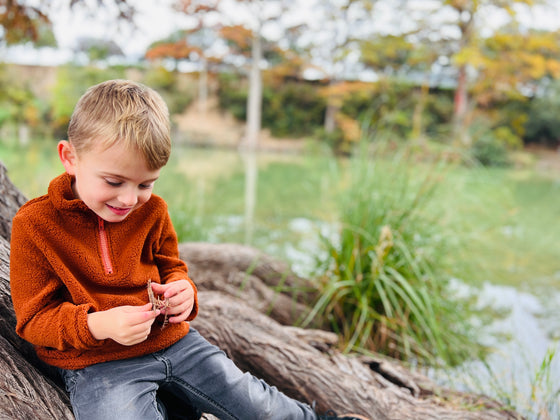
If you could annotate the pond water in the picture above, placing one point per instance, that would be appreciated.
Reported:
(524, 365)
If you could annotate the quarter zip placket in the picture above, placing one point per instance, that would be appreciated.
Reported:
(104, 247)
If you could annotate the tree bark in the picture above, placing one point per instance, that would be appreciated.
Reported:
(11, 199)
(25, 393)
(246, 273)
(27, 386)
(239, 288)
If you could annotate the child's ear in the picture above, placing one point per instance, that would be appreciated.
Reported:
(67, 156)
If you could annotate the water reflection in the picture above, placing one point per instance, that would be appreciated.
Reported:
(521, 344)
(249, 158)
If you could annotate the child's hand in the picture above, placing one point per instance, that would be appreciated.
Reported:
(127, 325)
(181, 299)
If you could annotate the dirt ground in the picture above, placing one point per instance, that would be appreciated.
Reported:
(547, 160)
(217, 128)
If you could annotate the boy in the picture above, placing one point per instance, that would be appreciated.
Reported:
(82, 257)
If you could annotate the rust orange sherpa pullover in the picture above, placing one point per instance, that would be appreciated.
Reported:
(66, 262)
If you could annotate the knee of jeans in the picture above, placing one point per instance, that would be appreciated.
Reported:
(265, 396)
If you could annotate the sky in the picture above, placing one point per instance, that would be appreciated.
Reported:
(156, 20)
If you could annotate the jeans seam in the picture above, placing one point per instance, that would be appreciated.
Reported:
(205, 397)
(70, 378)
(159, 357)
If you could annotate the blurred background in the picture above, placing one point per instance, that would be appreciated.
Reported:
(405, 155)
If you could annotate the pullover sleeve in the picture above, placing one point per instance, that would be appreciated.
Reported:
(44, 317)
(171, 267)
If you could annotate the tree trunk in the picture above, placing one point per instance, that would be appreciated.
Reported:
(254, 100)
(331, 110)
(246, 273)
(251, 177)
(25, 393)
(239, 287)
(11, 199)
(245, 296)
(27, 385)
(460, 109)
(417, 125)
(203, 87)
(466, 25)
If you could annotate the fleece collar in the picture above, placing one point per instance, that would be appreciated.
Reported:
(62, 196)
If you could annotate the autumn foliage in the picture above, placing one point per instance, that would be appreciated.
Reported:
(21, 21)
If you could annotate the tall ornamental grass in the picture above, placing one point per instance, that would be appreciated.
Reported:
(383, 286)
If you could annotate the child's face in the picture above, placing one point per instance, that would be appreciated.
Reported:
(112, 182)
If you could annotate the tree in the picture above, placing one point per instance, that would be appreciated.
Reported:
(23, 22)
(196, 43)
(543, 125)
(514, 65)
(341, 25)
(242, 29)
(459, 24)
(407, 55)
(179, 47)
(175, 47)
(260, 15)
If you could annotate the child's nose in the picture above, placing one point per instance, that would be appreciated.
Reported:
(129, 197)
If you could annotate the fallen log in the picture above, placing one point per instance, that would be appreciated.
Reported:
(247, 273)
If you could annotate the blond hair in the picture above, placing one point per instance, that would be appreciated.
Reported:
(122, 111)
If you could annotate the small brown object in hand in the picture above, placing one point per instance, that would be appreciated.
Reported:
(158, 303)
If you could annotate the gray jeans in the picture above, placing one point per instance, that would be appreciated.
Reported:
(197, 374)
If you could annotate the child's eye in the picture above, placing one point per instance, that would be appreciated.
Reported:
(113, 183)
(146, 186)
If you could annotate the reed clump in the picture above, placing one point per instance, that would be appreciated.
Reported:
(384, 284)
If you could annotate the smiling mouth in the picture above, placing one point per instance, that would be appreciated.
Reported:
(118, 210)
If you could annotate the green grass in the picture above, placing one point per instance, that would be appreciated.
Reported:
(545, 391)
(510, 219)
(31, 168)
(384, 285)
